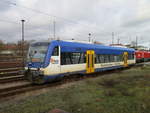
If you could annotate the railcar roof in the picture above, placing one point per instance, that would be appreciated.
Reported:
(91, 46)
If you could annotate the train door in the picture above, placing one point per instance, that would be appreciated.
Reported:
(55, 61)
(125, 58)
(90, 60)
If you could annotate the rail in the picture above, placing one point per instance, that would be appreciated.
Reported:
(10, 58)
(12, 64)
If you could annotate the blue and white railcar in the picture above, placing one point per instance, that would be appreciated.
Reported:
(49, 61)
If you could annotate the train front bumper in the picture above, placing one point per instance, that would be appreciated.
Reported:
(34, 76)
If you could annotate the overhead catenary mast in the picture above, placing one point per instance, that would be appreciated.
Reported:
(136, 42)
(112, 38)
(54, 23)
(118, 40)
(89, 37)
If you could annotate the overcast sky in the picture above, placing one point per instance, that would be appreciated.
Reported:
(76, 19)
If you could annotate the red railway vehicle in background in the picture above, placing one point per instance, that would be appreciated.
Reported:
(146, 56)
(149, 56)
(139, 56)
(142, 56)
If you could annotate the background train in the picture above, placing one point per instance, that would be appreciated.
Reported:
(50, 61)
(142, 56)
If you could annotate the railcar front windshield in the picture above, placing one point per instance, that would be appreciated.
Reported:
(37, 51)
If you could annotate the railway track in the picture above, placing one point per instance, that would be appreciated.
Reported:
(15, 90)
(12, 64)
(10, 69)
(11, 74)
(5, 58)
(11, 79)
(24, 86)
(6, 93)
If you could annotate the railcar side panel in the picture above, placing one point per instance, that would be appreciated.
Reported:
(73, 68)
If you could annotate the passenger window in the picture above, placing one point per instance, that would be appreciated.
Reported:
(72, 58)
(111, 58)
(55, 51)
(106, 57)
